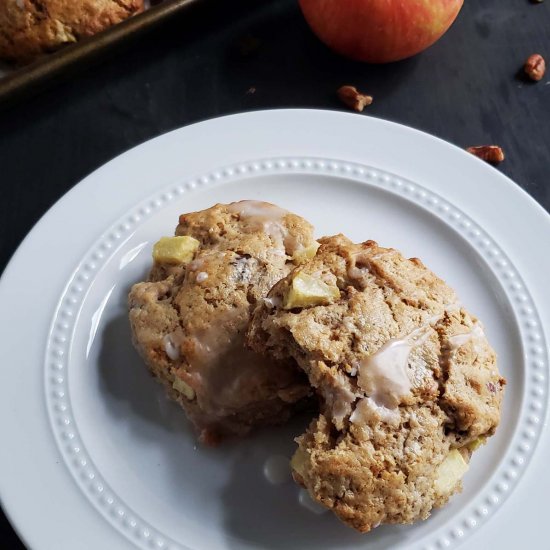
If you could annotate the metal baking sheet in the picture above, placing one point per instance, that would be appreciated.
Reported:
(22, 82)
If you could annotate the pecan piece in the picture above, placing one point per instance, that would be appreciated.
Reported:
(350, 96)
(489, 153)
(535, 66)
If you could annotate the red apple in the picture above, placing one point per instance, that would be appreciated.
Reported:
(379, 31)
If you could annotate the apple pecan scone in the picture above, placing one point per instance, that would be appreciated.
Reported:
(30, 28)
(190, 317)
(408, 383)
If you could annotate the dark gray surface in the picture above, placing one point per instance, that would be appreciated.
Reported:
(466, 89)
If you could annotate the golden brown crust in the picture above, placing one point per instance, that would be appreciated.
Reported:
(29, 28)
(189, 321)
(405, 374)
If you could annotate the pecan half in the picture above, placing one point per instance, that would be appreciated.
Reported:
(535, 66)
(350, 96)
(489, 153)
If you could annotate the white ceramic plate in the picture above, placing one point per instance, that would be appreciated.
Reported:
(93, 456)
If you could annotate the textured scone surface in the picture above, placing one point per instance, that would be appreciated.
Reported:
(408, 382)
(29, 28)
(189, 319)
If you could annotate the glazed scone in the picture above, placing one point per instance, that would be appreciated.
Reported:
(29, 28)
(189, 319)
(408, 383)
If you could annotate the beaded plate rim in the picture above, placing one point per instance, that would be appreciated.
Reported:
(535, 353)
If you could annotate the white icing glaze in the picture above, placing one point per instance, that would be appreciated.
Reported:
(200, 263)
(221, 369)
(277, 469)
(273, 302)
(383, 375)
(171, 348)
(201, 276)
(258, 210)
(458, 340)
(339, 399)
(367, 409)
(195, 265)
(266, 217)
(309, 504)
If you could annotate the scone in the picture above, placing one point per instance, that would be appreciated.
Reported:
(29, 28)
(189, 319)
(408, 383)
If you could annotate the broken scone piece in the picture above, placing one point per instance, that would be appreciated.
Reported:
(407, 380)
(190, 317)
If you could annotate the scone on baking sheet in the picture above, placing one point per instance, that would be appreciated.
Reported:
(30, 28)
(408, 383)
(190, 317)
